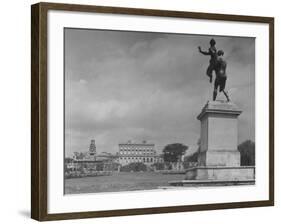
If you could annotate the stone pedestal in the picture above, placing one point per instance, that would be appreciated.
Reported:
(219, 158)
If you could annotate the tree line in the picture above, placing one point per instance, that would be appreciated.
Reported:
(173, 158)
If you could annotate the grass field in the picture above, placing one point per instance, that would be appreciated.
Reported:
(122, 181)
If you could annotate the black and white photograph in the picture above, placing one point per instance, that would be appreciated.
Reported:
(148, 110)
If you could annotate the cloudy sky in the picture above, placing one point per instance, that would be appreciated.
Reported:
(122, 86)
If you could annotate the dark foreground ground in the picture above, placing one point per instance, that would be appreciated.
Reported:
(122, 181)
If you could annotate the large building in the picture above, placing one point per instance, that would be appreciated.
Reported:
(138, 152)
(92, 161)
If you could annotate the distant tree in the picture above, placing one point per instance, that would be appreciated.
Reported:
(168, 166)
(113, 166)
(174, 152)
(79, 155)
(192, 158)
(135, 167)
(99, 167)
(247, 152)
(158, 166)
(80, 169)
(68, 160)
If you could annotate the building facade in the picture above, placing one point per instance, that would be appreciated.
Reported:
(138, 152)
(92, 161)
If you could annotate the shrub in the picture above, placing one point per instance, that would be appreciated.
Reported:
(158, 166)
(135, 167)
(247, 151)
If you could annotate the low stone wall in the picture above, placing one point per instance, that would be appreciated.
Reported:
(220, 173)
(208, 183)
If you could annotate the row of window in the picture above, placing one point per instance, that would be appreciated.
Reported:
(137, 152)
(136, 149)
(139, 159)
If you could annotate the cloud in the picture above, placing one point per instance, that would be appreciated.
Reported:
(133, 85)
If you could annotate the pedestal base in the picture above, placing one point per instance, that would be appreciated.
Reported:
(219, 158)
(220, 173)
